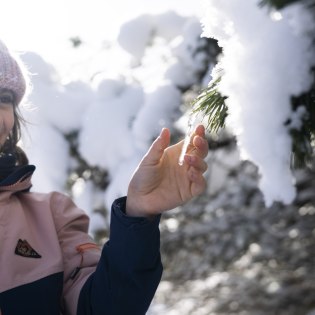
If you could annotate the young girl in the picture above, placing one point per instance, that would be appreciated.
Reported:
(48, 263)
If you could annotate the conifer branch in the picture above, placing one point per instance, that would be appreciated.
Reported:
(280, 4)
(212, 104)
(303, 139)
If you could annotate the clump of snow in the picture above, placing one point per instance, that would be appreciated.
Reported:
(88, 197)
(177, 56)
(48, 150)
(189, 57)
(105, 137)
(169, 25)
(158, 111)
(135, 35)
(60, 105)
(265, 61)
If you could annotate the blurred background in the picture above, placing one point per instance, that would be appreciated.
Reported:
(106, 77)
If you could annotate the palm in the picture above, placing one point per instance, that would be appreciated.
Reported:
(167, 184)
(160, 183)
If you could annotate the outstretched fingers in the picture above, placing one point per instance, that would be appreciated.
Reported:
(157, 148)
(198, 182)
(201, 146)
(198, 144)
(196, 162)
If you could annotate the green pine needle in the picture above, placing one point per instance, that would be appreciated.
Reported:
(303, 139)
(212, 104)
(280, 4)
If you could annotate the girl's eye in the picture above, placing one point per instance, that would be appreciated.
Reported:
(6, 99)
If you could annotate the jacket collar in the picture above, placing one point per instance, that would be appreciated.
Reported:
(18, 181)
(14, 178)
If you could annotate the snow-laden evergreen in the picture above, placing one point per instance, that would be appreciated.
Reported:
(267, 57)
(111, 118)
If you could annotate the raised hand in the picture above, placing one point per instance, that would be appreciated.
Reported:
(160, 183)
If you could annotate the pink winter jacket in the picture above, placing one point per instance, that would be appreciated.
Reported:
(49, 265)
(54, 229)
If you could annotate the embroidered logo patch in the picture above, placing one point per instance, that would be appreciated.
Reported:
(23, 248)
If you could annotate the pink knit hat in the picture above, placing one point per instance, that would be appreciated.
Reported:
(11, 74)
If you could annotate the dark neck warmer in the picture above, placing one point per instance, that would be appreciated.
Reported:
(10, 173)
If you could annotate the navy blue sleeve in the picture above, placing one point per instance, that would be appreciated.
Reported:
(129, 270)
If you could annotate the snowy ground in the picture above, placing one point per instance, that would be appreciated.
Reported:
(226, 253)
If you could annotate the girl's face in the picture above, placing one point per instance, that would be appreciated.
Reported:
(6, 114)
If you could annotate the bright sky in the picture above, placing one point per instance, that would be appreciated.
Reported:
(46, 26)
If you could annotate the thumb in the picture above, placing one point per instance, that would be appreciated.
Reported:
(157, 148)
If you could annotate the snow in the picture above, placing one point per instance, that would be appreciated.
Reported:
(116, 115)
(157, 111)
(265, 61)
(105, 137)
(135, 35)
(118, 108)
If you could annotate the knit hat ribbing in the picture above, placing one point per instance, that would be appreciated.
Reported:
(11, 76)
